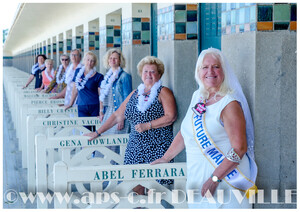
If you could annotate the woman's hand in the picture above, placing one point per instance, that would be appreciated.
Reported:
(92, 135)
(209, 185)
(120, 125)
(38, 89)
(160, 160)
(53, 97)
(67, 107)
(142, 127)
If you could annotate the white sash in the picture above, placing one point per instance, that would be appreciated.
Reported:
(215, 156)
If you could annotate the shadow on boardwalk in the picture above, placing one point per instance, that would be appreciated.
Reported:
(14, 176)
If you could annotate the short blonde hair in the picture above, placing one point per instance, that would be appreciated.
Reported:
(109, 53)
(91, 54)
(216, 54)
(151, 60)
(48, 61)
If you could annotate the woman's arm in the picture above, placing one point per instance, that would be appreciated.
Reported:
(73, 97)
(168, 102)
(126, 90)
(176, 147)
(101, 107)
(116, 117)
(60, 95)
(31, 77)
(235, 126)
(101, 112)
(40, 88)
(127, 85)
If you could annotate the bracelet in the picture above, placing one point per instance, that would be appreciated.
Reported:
(215, 178)
(233, 156)
(150, 125)
(98, 134)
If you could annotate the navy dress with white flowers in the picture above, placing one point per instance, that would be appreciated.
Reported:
(152, 144)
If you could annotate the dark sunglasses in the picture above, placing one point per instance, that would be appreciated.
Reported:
(64, 59)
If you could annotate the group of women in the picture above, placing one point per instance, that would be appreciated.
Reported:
(217, 131)
(46, 79)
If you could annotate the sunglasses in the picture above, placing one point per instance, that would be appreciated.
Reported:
(64, 59)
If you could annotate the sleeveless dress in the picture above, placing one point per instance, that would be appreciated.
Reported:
(199, 168)
(152, 144)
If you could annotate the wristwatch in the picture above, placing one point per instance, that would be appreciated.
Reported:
(98, 134)
(215, 179)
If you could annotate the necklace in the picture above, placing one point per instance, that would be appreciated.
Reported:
(50, 78)
(209, 100)
(60, 78)
(79, 83)
(70, 73)
(200, 107)
(107, 82)
(147, 93)
(144, 104)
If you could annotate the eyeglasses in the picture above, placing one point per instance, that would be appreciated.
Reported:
(64, 59)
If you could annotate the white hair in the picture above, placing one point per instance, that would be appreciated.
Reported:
(217, 54)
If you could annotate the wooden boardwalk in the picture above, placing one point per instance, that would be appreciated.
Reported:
(14, 176)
